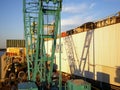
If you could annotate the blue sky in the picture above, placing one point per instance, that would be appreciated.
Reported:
(74, 13)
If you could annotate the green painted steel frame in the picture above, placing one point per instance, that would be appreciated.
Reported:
(34, 23)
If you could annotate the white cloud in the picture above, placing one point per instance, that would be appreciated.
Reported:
(73, 8)
(76, 15)
(74, 21)
(71, 21)
(77, 8)
(92, 5)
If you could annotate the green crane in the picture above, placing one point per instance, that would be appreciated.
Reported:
(41, 23)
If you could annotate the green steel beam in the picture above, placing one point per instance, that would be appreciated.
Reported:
(34, 29)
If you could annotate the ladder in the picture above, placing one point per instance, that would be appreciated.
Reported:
(85, 51)
(70, 53)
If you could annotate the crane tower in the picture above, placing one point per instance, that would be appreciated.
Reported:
(41, 23)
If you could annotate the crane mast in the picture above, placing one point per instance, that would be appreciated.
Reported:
(41, 23)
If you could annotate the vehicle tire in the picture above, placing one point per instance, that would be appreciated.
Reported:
(22, 76)
(12, 76)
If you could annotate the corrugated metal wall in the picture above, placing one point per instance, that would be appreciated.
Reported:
(102, 55)
(15, 43)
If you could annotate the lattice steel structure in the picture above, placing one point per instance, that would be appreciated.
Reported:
(41, 23)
